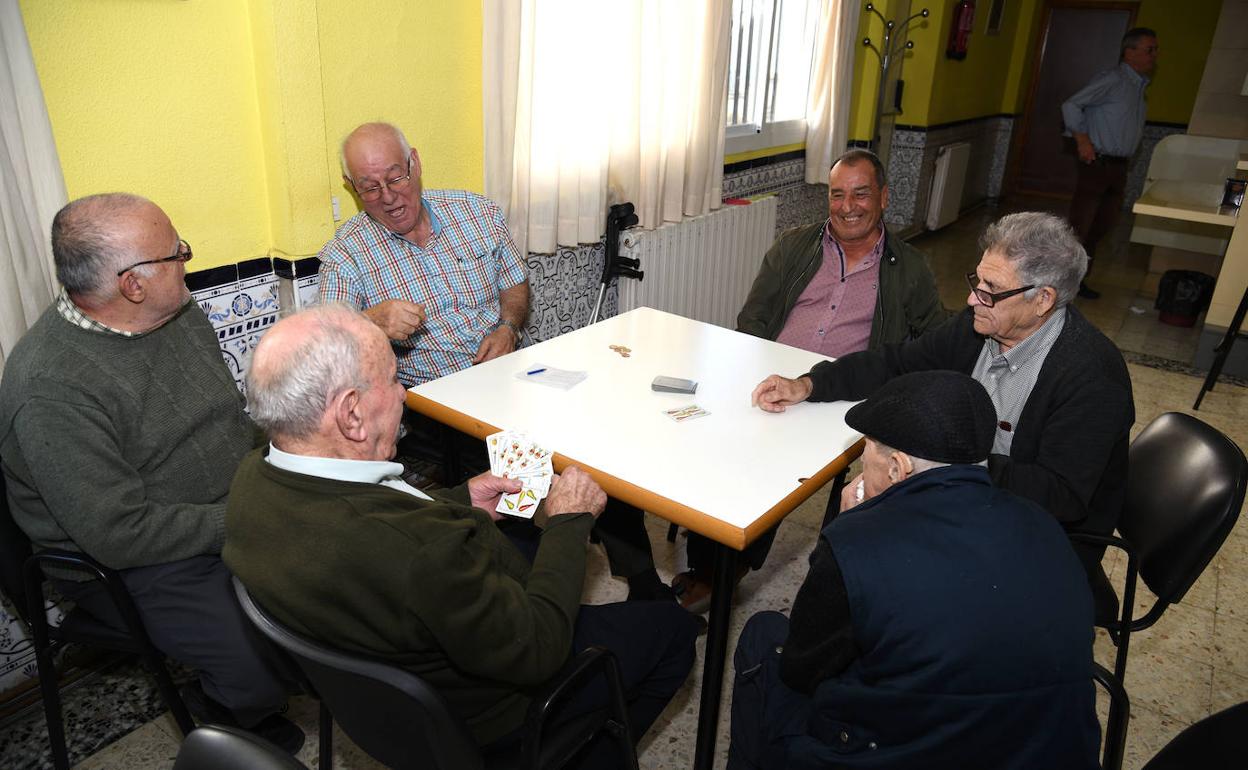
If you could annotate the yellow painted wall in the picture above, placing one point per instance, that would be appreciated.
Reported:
(1185, 33)
(995, 76)
(228, 113)
(158, 98)
(415, 64)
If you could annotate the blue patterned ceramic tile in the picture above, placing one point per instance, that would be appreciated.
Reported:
(563, 289)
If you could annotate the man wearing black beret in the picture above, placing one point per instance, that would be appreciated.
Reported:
(944, 623)
(1060, 387)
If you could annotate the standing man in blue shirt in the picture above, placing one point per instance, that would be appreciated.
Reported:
(1106, 119)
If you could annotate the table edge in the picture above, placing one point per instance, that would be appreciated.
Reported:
(666, 508)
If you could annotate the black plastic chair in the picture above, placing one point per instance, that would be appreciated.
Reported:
(217, 747)
(1217, 742)
(1184, 492)
(22, 579)
(402, 722)
(1119, 717)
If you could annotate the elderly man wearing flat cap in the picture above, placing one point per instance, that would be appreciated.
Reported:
(1060, 386)
(944, 623)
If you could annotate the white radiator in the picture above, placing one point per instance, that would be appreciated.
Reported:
(947, 184)
(703, 267)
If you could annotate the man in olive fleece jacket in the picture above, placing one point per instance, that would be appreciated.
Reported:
(328, 538)
(834, 288)
(120, 427)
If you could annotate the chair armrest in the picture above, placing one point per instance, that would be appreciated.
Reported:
(591, 662)
(78, 562)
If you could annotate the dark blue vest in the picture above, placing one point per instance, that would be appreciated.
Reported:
(974, 621)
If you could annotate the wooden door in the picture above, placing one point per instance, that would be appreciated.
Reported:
(1077, 40)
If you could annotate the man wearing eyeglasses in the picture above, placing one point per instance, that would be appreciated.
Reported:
(120, 429)
(436, 270)
(1060, 387)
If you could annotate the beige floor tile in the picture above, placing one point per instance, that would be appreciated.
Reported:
(1182, 631)
(147, 748)
(1230, 644)
(1233, 590)
(1148, 732)
(1228, 690)
(1173, 685)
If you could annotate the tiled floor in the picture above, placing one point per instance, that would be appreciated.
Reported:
(1193, 662)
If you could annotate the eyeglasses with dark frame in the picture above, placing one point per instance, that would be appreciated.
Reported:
(184, 255)
(988, 298)
(398, 184)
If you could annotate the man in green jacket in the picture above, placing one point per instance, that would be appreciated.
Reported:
(330, 540)
(834, 288)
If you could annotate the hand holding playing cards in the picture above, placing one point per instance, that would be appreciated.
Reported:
(776, 393)
(485, 490)
(575, 491)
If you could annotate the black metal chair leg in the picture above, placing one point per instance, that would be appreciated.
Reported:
(169, 692)
(52, 706)
(326, 738)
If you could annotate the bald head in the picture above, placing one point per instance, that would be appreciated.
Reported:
(303, 362)
(371, 139)
(95, 236)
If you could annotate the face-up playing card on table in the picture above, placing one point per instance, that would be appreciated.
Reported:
(685, 413)
(513, 455)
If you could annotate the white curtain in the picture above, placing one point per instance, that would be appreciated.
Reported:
(594, 102)
(31, 187)
(831, 87)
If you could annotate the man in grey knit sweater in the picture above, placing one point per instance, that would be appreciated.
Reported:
(120, 429)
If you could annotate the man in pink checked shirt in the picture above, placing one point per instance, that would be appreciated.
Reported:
(436, 270)
(835, 287)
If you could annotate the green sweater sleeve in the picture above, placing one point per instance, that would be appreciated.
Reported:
(494, 621)
(100, 500)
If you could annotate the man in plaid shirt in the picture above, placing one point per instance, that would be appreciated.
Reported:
(436, 270)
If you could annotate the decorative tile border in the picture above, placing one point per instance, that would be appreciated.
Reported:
(767, 178)
(241, 301)
(563, 288)
(17, 650)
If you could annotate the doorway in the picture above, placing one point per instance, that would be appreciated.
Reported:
(1077, 40)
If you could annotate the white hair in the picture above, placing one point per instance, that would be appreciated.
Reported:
(1043, 249)
(289, 393)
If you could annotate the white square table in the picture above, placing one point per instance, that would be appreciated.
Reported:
(730, 475)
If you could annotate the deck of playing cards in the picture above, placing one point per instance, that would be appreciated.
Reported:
(513, 455)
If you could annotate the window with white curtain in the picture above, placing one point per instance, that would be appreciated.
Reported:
(769, 72)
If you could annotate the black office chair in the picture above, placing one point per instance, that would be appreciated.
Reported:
(22, 579)
(1217, 742)
(1184, 490)
(403, 723)
(1119, 716)
(217, 747)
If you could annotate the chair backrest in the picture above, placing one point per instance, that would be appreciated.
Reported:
(14, 550)
(213, 747)
(390, 713)
(1184, 492)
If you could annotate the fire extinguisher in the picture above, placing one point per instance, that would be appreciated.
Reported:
(960, 29)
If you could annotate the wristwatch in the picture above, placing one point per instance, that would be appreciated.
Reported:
(514, 329)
